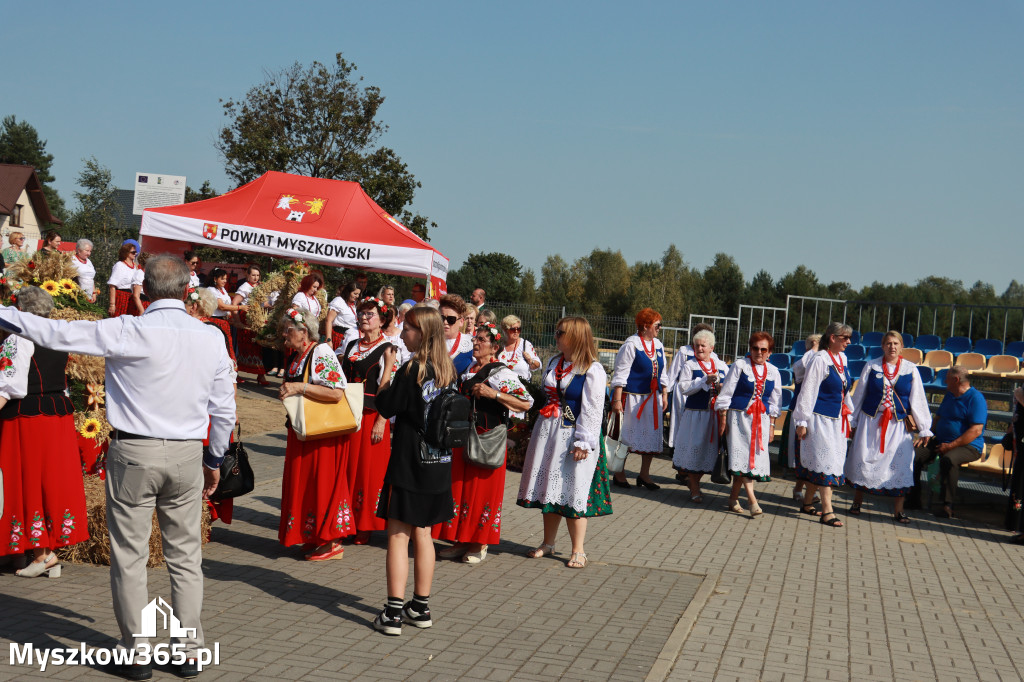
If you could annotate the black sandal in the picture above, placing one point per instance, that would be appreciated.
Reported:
(809, 510)
(901, 518)
(834, 522)
(855, 509)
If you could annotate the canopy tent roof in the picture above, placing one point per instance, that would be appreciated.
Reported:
(330, 222)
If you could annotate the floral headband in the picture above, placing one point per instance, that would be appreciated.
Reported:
(373, 299)
(191, 295)
(295, 316)
(491, 328)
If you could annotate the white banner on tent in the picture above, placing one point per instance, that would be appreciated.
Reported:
(392, 259)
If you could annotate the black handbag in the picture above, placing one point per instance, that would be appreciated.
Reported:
(720, 474)
(236, 477)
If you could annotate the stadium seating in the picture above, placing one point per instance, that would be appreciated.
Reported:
(799, 348)
(940, 378)
(871, 339)
(780, 360)
(855, 336)
(927, 342)
(786, 376)
(1015, 348)
(913, 355)
(938, 359)
(908, 340)
(856, 367)
(872, 352)
(927, 374)
(988, 347)
(997, 462)
(854, 352)
(957, 345)
(973, 362)
(1002, 365)
(787, 399)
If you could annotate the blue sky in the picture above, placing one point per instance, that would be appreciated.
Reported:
(867, 141)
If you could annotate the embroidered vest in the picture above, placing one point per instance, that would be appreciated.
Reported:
(46, 385)
(489, 413)
(744, 392)
(831, 393)
(701, 399)
(640, 373)
(365, 370)
(875, 394)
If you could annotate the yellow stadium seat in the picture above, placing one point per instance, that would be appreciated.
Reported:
(914, 355)
(1002, 365)
(780, 421)
(938, 359)
(997, 462)
(974, 362)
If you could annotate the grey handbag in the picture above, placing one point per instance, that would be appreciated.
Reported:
(486, 450)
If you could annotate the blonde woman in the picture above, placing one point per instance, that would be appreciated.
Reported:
(564, 474)
(518, 353)
(417, 490)
(16, 251)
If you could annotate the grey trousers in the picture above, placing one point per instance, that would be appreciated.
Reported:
(167, 475)
(949, 467)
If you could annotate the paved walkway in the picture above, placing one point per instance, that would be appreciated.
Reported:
(674, 591)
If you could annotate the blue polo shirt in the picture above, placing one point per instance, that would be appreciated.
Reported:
(959, 413)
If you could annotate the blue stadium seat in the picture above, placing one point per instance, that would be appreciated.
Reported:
(871, 339)
(799, 348)
(786, 376)
(787, 399)
(989, 347)
(780, 360)
(927, 374)
(855, 336)
(957, 345)
(855, 351)
(908, 340)
(1015, 348)
(927, 342)
(872, 352)
(856, 367)
(940, 378)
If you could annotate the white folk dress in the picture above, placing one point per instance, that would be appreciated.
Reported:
(86, 274)
(669, 380)
(799, 370)
(824, 398)
(737, 399)
(518, 359)
(696, 437)
(553, 480)
(874, 466)
(222, 295)
(639, 375)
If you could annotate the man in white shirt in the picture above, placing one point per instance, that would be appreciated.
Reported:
(168, 376)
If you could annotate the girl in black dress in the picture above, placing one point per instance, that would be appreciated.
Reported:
(417, 491)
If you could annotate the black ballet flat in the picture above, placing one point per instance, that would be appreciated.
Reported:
(650, 485)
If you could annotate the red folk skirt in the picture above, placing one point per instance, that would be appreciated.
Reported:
(367, 464)
(250, 353)
(477, 493)
(44, 498)
(337, 338)
(315, 503)
(124, 304)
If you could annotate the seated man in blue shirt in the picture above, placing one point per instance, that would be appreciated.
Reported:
(957, 440)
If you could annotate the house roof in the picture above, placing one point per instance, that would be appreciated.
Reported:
(124, 201)
(13, 179)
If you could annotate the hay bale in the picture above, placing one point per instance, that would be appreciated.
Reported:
(96, 550)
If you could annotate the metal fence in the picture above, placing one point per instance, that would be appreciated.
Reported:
(726, 330)
(756, 318)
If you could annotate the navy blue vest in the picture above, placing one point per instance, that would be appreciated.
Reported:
(744, 392)
(641, 372)
(876, 391)
(572, 398)
(831, 393)
(462, 361)
(701, 399)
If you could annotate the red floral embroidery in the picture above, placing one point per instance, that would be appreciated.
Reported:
(333, 376)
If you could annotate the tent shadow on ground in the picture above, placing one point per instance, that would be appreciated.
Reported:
(278, 583)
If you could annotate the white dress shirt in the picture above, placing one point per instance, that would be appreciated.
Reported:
(14, 376)
(86, 274)
(168, 375)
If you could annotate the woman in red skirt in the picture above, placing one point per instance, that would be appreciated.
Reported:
(370, 447)
(122, 278)
(316, 508)
(250, 353)
(477, 491)
(44, 499)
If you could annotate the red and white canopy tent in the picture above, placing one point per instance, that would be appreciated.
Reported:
(329, 222)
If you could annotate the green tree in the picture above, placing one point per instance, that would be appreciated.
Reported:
(206, 191)
(528, 288)
(320, 122)
(20, 143)
(725, 284)
(761, 290)
(97, 217)
(605, 277)
(801, 282)
(497, 273)
(555, 281)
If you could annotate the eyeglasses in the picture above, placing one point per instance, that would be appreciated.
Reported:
(450, 319)
(758, 350)
(845, 337)
(514, 330)
(657, 325)
(559, 332)
(367, 313)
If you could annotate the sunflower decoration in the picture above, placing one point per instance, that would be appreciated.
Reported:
(91, 428)
(50, 287)
(68, 287)
(96, 396)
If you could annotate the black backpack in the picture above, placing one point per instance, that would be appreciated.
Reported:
(447, 423)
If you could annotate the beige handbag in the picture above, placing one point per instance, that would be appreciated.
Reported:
(313, 419)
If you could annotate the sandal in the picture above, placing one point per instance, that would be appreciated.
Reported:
(901, 518)
(543, 550)
(755, 511)
(333, 550)
(809, 510)
(734, 506)
(834, 522)
(49, 566)
(855, 509)
(697, 499)
(577, 560)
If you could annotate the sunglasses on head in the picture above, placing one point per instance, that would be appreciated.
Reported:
(450, 319)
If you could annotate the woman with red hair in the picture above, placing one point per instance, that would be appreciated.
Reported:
(639, 365)
(747, 406)
(305, 298)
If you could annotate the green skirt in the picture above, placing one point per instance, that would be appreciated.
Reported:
(599, 499)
